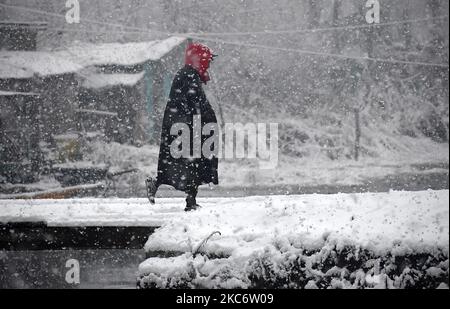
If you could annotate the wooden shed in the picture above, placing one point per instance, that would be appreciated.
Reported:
(127, 86)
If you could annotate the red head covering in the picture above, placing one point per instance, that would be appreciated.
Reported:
(199, 57)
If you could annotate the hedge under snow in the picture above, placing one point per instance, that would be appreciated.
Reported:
(369, 240)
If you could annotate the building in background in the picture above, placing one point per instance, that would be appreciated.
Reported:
(114, 90)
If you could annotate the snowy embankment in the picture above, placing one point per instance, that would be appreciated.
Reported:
(382, 240)
(87, 212)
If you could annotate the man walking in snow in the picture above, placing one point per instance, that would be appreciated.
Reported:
(186, 101)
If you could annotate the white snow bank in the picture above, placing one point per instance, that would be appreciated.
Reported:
(342, 240)
(90, 212)
(377, 221)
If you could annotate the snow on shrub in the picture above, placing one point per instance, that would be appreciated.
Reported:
(383, 240)
(330, 267)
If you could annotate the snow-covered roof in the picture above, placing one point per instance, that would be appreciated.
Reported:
(24, 64)
(14, 93)
(122, 54)
(98, 81)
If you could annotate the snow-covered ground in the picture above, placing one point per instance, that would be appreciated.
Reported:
(395, 239)
(314, 170)
(91, 212)
(303, 172)
(429, 158)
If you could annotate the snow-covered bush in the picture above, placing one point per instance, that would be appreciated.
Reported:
(347, 267)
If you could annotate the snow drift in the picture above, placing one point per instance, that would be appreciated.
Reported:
(383, 240)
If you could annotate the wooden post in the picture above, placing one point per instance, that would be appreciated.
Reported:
(357, 133)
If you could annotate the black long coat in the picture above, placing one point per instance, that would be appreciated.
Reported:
(186, 99)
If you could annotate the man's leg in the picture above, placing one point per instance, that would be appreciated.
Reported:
(191, 199)
(152, 187)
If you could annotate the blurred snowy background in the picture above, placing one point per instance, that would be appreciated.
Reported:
(263, 74)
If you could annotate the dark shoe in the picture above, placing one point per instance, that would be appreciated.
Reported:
(151, 189)
(192, 208)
